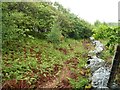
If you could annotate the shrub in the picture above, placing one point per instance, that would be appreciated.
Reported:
(54, 35)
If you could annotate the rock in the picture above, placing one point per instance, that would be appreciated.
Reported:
(100, 77)
(92, 38)
(94, 63)
(98, 49)
(96, 42)
(100, 73)
(92, 53)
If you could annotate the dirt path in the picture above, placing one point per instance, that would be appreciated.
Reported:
(65, 72)
(62, 81)
(59, 81)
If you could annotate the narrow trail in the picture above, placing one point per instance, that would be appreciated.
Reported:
(61, 81)
(65, 72)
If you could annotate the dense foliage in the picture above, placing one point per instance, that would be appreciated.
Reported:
(107, 32)
(23, 19)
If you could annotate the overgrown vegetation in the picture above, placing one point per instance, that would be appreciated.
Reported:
(40, 39)
(109, 34)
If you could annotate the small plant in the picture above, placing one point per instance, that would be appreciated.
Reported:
(78, 84)
(55, 33)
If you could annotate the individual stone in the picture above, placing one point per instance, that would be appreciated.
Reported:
(98, 49)
(100, 77)
(92, 38)
(92, 53)
(94, 63)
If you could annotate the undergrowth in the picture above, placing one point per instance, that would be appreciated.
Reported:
(37, 57)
